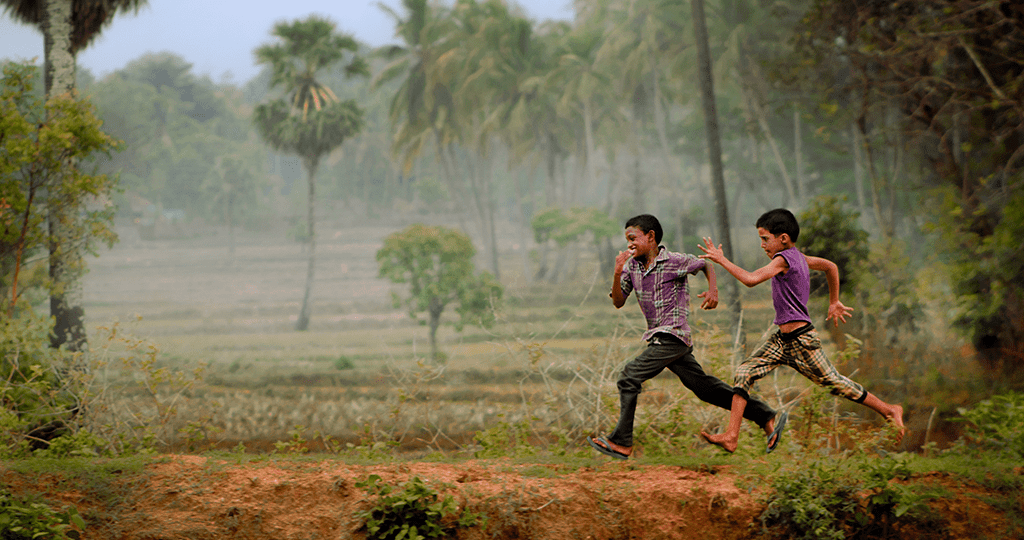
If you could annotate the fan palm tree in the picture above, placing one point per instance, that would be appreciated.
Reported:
(309, 120)
(68, 26)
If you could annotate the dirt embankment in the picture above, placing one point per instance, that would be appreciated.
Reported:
(204, 498)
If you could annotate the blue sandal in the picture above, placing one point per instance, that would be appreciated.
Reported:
(604, 448)
(780, 424)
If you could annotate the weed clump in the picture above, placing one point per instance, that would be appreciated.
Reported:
(829, 499)
(24, 518)
(412, 511)
(997, 424)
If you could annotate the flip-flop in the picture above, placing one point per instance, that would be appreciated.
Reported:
(604, 448)
(780, 424)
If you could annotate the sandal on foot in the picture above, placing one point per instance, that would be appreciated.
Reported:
(601, 445)
(780, 424)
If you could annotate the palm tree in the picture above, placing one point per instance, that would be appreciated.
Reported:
(707, 92)
(584, 87)
(437, 102)
(422, 102)
(309, 120)
(647, 39)
(68, 26)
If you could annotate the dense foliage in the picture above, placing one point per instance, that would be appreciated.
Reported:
(37, 140)
(180, 128)
(932, 90)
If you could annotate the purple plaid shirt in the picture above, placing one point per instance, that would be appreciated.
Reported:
(662, 292)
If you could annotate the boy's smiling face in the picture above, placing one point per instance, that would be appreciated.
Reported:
(641, 244)
(772, 244)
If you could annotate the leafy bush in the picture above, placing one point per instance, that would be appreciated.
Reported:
(38, 384)
(23, 518)
(58, 405)
(997, 423)
(413, 512)
(842, 499)
(80, 443)
(828, 231)
(811, 503)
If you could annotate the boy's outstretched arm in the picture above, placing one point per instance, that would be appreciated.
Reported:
(766, 272)
(836, 309)
(711, 296)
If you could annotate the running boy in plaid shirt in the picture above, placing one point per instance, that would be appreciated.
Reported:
(659, 278)
(795, 343)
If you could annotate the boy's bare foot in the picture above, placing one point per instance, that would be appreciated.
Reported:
(897, 418)
(722, 440)
(769, 427)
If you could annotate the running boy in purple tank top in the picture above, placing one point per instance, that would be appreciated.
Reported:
(795, 343)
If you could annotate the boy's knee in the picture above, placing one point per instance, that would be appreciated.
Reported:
(742, 382)
(628, 384)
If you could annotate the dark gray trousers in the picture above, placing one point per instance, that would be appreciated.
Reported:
(666, 351)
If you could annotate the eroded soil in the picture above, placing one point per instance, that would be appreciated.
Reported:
(181, 496)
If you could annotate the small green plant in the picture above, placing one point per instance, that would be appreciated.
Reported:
(505, 439)
(888, 501)
(412, 511)
(997, 423)
(24, 518)
(343, 362)
(80, 443)
(810, 503)
(297, 444)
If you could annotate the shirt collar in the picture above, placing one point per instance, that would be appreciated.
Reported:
(662, 256)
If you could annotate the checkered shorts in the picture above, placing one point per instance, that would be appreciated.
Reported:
(800, 350)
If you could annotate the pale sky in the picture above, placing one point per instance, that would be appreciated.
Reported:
(218, 36)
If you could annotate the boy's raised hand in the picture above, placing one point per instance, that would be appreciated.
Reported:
(712, 253)
(710, 299)
(621, 258)
(839, 312)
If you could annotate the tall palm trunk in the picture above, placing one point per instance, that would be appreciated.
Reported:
(588, 131)
(64, 250)
(312, 163)
(798, 154)
(715, 152)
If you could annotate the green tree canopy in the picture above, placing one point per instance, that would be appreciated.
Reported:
(437, 264)
(179, 126)
(36, 141)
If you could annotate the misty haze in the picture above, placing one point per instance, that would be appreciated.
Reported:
(407, 251)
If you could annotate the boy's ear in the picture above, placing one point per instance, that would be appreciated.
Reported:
(785, 239)
(651, 236)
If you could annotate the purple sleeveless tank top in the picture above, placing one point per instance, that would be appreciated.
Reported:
(791, 290)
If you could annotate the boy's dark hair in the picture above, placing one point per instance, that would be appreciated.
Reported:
(646, 223)
(778, 222)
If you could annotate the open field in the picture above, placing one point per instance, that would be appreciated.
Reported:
(553, 356)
